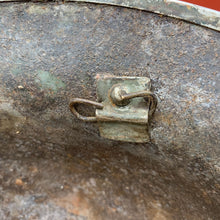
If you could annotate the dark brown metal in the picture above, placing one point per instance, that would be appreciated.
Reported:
(77, 101)
(54, 166)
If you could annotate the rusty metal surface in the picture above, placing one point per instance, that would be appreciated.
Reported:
(125, 114)
(53, 165)
(173, 8)
(76, 101)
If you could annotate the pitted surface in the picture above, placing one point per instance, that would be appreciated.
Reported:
(50, 53)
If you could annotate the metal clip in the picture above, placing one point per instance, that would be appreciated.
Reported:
(120, 97)
(124, 107)
(77, 101)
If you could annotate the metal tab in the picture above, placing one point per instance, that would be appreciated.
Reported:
(126, 120)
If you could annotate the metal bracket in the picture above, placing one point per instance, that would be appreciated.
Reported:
(125, 105)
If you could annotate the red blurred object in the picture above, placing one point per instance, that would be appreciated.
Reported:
(213, 4)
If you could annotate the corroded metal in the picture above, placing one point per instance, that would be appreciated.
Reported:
(173, 8)
(54, 166)
(77, 101)
(124, 97)
(126, 113)
(119, 116)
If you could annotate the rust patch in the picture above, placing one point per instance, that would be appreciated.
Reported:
(76, 204)
(19, 182)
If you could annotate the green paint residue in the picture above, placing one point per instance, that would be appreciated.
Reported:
(48, 81)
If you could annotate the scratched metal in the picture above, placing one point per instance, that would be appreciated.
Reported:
(53, 165)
